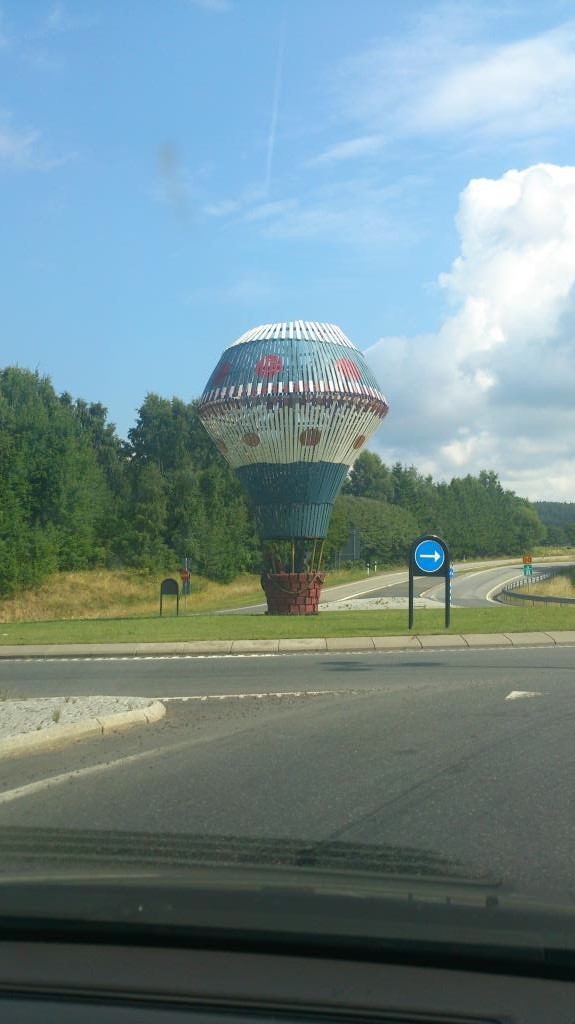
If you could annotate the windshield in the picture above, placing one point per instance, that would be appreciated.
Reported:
(287, 516)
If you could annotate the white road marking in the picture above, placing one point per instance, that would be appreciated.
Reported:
(436, 586)
(402, 578)
(45, 660)
(499, 586)
(463, 576)
(468, 575)
(32, 788)
(518, 694)
(41, 660)
(79, 773)
(460, 574)
(258, 696)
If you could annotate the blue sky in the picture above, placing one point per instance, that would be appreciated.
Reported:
(174, 173)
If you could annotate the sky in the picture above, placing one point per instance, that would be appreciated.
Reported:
(172, 174)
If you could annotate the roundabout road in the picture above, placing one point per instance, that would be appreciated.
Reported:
(438, 751)
(471, 588)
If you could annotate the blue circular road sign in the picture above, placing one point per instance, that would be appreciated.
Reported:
(429, 556)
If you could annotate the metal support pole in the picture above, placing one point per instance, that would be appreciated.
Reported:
(447, 602)
(320, 556)
(410, 598)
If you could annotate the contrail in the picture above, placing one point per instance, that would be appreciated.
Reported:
(273, 124)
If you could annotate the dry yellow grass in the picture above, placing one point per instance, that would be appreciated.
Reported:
(125, 593)
(562, 585)
(103, 593)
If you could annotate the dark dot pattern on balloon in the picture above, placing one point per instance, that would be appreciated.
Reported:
(310, 437)
(252, 440)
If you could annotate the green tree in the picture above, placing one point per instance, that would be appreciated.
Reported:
(204, 513)
(385, 531)
(54, 490)
(370, 478)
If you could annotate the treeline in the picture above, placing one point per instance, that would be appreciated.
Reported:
(474, 514)
(75, 495)
(559, 520)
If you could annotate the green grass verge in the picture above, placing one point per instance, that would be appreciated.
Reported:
(256, 627)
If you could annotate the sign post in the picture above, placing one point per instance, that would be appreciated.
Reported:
(429, 556)
(527, 572)
(185, 578)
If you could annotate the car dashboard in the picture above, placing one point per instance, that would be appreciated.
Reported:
(121, 984)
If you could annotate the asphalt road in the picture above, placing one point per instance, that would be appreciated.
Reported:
(470, 589)
(337, 593)
(423, 750)
(473, 586)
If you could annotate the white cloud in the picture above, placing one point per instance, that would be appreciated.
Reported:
(57, 18)
(352, 149)
(279, 208)
(16, 145)
(356, 212)
(495, 386)
(524, 87)
(252, 288)
(444, 78)
(21, 148)
(215, 6)
(250, 198)
(222, 208)
(4, 39)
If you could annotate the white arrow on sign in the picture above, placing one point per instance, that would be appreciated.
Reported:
(436, 556)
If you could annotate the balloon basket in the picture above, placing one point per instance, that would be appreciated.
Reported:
(293, 593)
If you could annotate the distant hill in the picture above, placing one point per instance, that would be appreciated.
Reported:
(555, 513)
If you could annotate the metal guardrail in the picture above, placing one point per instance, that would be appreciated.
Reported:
(507, 595)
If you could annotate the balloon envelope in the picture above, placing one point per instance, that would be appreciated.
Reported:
(290, 406)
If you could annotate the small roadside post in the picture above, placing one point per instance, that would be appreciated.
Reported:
(185, 578)
(429, 556)
(528, 568)
(170, 587)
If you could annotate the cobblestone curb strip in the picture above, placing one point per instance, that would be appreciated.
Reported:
(59, 735)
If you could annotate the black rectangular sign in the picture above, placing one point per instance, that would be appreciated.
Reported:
(429, 556)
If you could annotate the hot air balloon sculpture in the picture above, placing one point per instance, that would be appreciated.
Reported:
(290, 406)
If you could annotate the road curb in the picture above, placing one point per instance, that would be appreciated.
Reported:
(60, 735)
(211, 648)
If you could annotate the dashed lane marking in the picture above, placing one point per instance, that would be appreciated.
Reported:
(268, 693)
(401, 651)
(79, 773)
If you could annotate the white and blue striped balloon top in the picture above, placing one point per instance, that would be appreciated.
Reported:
(300, 357)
